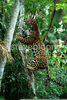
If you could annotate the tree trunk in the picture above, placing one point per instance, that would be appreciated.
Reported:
(2, 11)
(11, 26)
(9, 36)
(2, 20)
(29, 74)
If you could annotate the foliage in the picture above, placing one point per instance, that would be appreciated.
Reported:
(2, 98)
(14, 79)
(14, 82)
(62, 6)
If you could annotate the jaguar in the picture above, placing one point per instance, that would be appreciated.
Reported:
(34, 40)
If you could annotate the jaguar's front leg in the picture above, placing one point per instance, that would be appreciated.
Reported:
(32, 68)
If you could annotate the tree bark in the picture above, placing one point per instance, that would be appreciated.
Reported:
(9, 36)
(29, 74)
(11, 26)
(2, 11)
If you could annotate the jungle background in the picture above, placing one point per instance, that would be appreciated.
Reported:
(15, 83)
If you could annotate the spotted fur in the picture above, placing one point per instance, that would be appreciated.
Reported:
(34, 41)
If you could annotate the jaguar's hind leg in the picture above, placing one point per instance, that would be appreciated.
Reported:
(35, 64)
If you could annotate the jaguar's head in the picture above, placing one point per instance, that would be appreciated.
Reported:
(30, 22)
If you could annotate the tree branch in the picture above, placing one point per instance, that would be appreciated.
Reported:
(53, 14)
